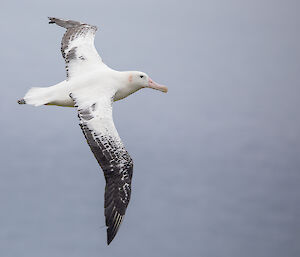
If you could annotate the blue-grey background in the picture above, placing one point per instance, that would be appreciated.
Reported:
(217, 159)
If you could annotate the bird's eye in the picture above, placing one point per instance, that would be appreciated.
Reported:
(141, 76)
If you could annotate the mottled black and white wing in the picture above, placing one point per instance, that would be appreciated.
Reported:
(98, 128)
(77, 47)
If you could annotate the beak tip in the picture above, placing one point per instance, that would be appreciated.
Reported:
(156, 86)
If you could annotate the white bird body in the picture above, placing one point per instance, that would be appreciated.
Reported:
(92, 87)
(99, 82)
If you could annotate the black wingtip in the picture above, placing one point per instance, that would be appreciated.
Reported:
(51, 20)
(113, 228)
(109, 239)
(110, 235)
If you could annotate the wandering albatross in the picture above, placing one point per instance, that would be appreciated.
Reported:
(92, 87)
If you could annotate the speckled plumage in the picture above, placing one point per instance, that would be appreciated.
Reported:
(92, 87)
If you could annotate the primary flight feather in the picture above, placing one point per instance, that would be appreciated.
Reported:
(92, 87)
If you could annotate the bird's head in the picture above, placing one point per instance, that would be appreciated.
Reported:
(140, 79)
(136, 80)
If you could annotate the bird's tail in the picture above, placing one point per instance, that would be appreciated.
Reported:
(36, 96)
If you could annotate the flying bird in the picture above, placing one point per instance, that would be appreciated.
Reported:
(91, 86)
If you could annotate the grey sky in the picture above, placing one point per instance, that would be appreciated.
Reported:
(216, 159)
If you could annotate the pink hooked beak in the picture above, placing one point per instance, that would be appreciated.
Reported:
(156, 86)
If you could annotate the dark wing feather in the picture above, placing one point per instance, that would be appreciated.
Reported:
(77, 46)
(114, 160)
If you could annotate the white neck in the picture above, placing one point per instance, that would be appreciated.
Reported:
(127, 86)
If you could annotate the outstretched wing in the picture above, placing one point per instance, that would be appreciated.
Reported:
(99, 130)
(77, 47)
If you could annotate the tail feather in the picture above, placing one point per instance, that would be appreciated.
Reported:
(54, 95)
(36, 96)
(21, 101)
